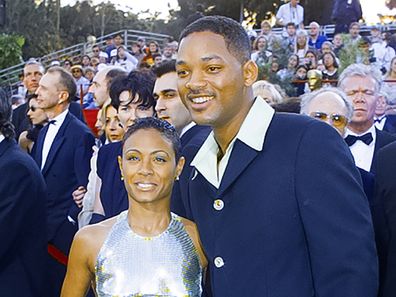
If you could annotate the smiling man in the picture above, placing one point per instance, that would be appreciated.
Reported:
(361, 83)
(169, 107)
(269, 221)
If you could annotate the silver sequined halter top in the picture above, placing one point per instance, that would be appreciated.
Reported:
(132, 265)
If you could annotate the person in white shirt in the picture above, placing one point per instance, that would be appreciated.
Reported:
(62, 151)
(290, 12)
(361, 83)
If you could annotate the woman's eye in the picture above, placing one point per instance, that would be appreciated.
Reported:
(132, 158)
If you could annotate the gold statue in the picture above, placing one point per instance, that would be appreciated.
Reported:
(314, 79)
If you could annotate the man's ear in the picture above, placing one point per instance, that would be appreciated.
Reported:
(250, 73)
(179, 167)
(119, 159)
(63, 97)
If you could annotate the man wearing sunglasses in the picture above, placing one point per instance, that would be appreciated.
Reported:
(361, 84)
(332, 106)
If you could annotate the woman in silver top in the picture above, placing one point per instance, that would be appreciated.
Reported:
(146, 250)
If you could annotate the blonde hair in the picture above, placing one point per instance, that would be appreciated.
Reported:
(261, 85)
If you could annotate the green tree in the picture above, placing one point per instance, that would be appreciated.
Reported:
(10, 50)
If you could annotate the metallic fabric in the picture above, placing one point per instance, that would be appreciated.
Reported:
(132, 265)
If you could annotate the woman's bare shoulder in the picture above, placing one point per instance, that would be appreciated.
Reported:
(94, 235)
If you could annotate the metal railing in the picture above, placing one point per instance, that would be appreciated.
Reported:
(328, 30)
(9, 76)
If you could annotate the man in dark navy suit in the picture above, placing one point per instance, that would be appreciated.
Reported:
(22, 216)
(33, 71)
(170, 108)
(263, 195)
(362, 84)
(382, 120)
(332, 106)
(63, 151)
(386, 191)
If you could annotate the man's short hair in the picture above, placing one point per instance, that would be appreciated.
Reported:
(34, 62)
(354, 24)
(361, 70)
(139, 83)
(235, 37)
(66, 81)
(165, 67)
(117, 35)
(291, 24)
(314, 24)
(308, 97)
(163, 127)
(113, 73)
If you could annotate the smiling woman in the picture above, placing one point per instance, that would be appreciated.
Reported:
(146, 250)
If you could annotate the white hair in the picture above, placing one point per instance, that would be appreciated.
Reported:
(308, 97)
(361, 70)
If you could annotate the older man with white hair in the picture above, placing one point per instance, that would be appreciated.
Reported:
(362, 83)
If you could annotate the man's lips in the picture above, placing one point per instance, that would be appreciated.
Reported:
(200, 98)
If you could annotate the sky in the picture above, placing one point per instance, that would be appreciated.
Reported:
(370, 7)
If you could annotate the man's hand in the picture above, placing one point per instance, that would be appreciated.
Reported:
(78, 196)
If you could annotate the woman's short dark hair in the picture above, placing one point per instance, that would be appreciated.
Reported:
(235, 37)
(163, 127)
(6, 128)
(139, 83)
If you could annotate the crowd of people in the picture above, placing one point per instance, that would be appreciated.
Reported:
(197, 183)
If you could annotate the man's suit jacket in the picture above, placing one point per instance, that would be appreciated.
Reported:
(390, 124)
(66, 168)
(191, 142)
(383, 138)
(113, 194)
(23, 248)
(385, 191)
(295, 220)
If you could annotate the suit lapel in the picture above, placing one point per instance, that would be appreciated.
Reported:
(241, 156)
(57, 143)
(38, 146)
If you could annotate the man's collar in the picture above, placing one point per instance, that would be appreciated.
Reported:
(186, 128)
(252, 131)
(370, 130)
(1, 137)
(60, 118)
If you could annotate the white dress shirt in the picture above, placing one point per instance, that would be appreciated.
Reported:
(252, 133)
(363, 153)
(51, 134)
(186, 128)
(289, 14)
(380, 122)
(1, 137)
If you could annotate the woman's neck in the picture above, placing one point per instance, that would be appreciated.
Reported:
(149, 219)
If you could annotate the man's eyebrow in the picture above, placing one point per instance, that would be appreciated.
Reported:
(212, 57)
(181, 62)
(205, 59)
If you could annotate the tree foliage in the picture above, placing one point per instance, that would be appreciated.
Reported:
(10, 50)
(38, 22)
